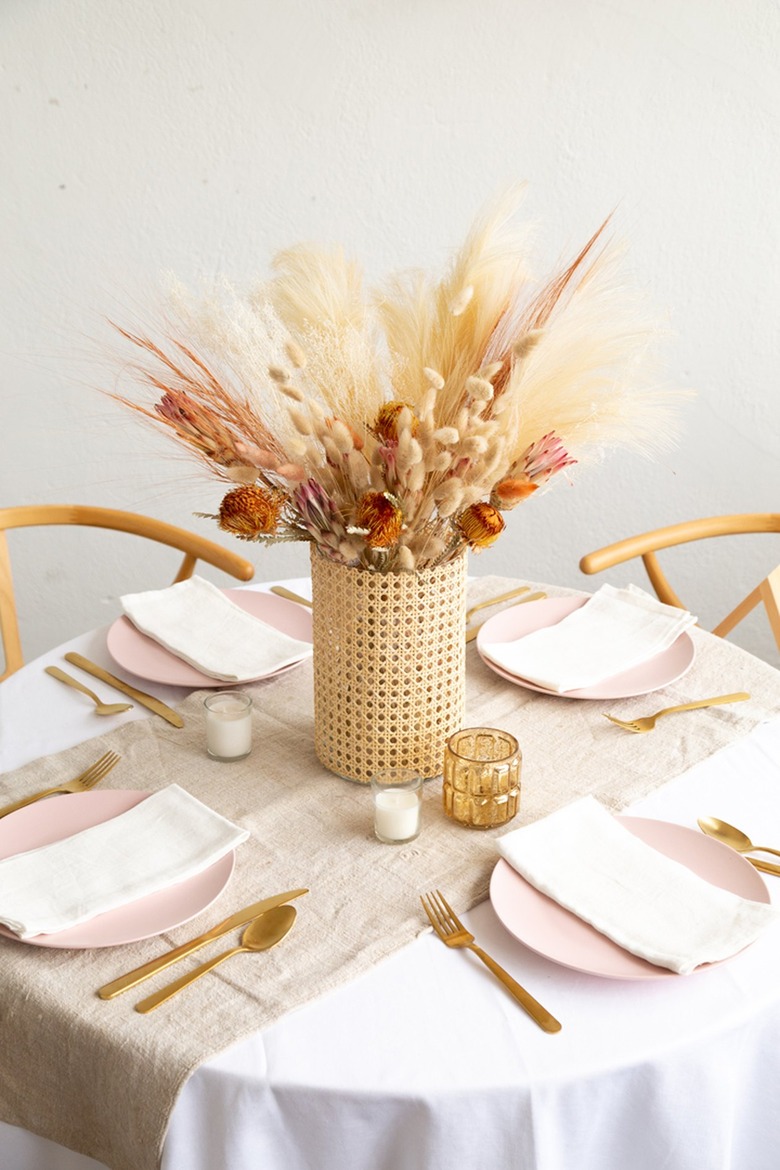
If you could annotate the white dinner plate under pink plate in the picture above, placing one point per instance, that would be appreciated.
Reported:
(57, 817)
(147, 659)
(657, 672)
(545, 927)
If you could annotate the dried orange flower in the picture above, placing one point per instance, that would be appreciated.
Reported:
(481, 525)
(512, 491)
(247, 512)
(380, 519)
(386, 423)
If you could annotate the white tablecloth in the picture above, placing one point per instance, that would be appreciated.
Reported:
(427, 1064)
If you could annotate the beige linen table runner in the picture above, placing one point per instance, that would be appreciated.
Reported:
(101, 1079)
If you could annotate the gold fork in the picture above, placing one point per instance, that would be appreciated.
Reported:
(647, 722)
(88, 779)
(452, 932)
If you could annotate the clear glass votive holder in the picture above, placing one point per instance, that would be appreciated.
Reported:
(397, 794)
(482, 777)
(228, 725)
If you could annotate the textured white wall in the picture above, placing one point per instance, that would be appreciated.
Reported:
(200, 137)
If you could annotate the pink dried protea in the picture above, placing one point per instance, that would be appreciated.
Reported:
(319, 514)
(534, 467)
(544, 458)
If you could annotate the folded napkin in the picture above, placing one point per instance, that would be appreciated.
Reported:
(198, 623)
(585, 860)
(615, 630)
(168, 837)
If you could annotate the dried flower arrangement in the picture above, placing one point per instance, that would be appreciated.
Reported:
(394, 429)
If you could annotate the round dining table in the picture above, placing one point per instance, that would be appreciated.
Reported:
(426, 1063)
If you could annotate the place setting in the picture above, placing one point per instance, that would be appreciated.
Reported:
(196, 635)
(614, 644)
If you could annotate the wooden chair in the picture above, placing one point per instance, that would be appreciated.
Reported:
(648, 544)
(34, 515)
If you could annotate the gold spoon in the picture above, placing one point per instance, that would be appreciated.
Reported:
(262, 933)
(100, 708)
(738, 840)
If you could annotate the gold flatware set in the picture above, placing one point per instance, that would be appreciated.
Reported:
(239, 918)
(151, 702)
(261, 934)
(736, 839)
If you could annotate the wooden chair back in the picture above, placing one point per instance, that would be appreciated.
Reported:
(193, 546)
(647, 544)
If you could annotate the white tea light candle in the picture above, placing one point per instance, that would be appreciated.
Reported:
(228, 725)
(397, 805)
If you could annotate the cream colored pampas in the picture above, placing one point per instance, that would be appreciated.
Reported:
(434, 401)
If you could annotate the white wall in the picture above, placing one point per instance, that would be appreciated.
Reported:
(201, 136)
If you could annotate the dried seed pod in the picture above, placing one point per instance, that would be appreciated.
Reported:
(524, 344)
(474, 445)
(241, 473)
(405, 559)
(489, 372)
(257, 456)
(301, 421)
(292, 392)
(295, 354)
(480, 388)
(416, 478)
(292, 471)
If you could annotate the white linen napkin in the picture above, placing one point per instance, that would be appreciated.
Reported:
(168, 837)
(198, 623)
(585, 860)
(615, 630)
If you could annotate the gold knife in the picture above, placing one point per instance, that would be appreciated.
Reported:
(765, 866)
(133, 978)
(141, 697)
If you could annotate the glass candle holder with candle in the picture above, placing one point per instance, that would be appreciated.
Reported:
(481, 777)
(228, 725)
(397, 796)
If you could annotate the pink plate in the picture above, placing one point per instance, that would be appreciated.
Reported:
(649, 676)
(147, 659)
(545, 927)
(61, 816)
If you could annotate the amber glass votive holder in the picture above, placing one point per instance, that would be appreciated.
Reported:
(482, 777)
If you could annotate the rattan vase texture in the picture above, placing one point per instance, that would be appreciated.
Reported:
(389, 666)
